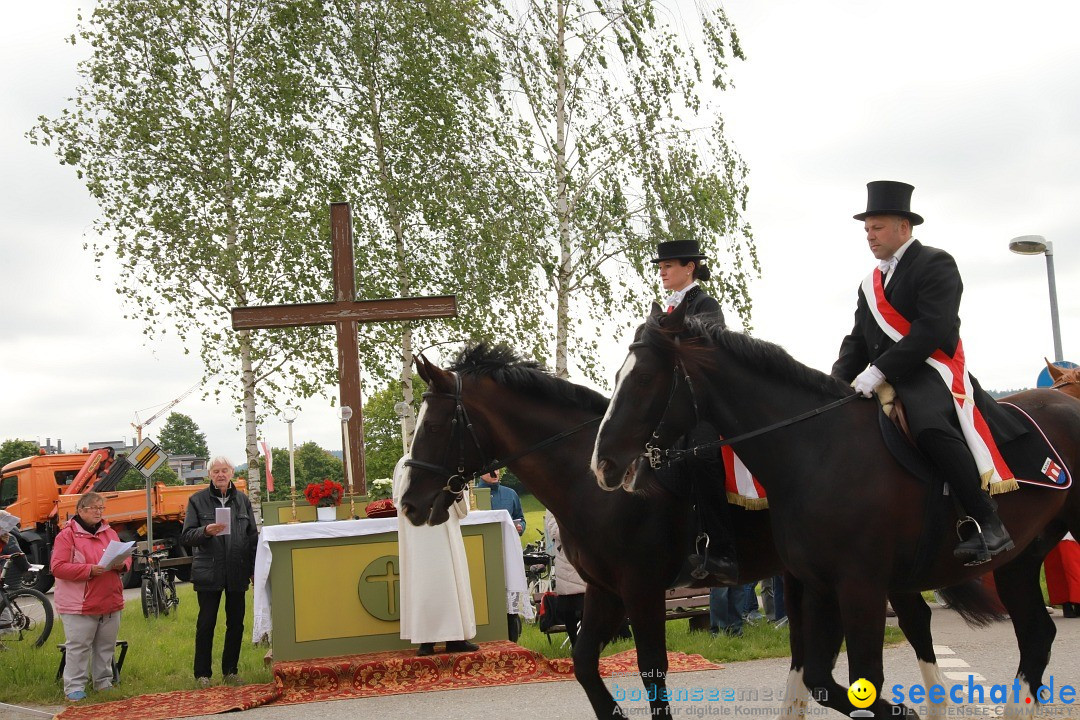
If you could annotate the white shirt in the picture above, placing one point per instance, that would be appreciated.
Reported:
(891, 262)
(675, 299)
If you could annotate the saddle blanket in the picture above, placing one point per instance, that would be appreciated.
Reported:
(1032, 457)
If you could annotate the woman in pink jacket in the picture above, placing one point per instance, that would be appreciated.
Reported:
(88, 597)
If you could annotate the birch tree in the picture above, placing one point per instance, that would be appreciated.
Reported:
(629, 150)
(425, 151)
(189, 131)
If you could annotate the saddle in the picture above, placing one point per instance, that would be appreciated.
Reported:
(1032, 457)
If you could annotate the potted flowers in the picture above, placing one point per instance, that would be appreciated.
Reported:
(381, 505)
(325, 496)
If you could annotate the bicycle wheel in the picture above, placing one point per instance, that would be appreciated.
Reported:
(31, 618)
(162, 592)
(171, 598)
(146, 594)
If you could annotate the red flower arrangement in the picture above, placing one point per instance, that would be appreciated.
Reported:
(324, 494)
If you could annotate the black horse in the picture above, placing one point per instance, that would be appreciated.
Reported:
(629, 547)
(848, 520)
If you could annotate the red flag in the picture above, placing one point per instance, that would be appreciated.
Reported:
(269, 467)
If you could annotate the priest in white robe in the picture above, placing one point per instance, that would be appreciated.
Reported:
(436, 596)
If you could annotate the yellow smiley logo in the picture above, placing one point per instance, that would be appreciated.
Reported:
(862, 693)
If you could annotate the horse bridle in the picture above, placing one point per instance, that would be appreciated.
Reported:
(456, 479)
(1062, 382)
(653, 452)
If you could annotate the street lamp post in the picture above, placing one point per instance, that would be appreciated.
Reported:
(1038, 245)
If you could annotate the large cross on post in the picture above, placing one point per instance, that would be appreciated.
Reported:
(345, 313)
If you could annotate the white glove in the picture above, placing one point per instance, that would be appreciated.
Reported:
(867, 381)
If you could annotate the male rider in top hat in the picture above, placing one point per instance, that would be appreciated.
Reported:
(907, 332)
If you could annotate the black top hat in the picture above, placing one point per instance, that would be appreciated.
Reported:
(678, 250)
(889, 197)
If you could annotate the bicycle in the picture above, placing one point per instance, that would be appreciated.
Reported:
(537, 567)
(158, 593)
(26, 614)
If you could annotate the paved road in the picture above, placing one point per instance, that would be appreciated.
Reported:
(989, 653)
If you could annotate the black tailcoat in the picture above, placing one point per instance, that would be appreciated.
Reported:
(925, 289)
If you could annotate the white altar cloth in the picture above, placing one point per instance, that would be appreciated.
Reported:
(517, 598)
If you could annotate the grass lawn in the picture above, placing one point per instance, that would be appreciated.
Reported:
(534, 519)
(759, 640)
(160, 656)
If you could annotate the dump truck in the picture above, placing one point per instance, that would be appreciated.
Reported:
(44, 490)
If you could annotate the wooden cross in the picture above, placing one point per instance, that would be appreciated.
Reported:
(345, 313)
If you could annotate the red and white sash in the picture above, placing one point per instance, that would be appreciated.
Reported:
(742, 487)
(995, 473)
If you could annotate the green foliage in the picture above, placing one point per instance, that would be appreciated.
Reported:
(417, 135)
(187, 130)
(313, 463)
(628, 149)
(382, 428)
(134, 480)
(180, 436)
(12, 450)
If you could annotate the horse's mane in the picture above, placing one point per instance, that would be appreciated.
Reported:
(770, 358)
(529, 377)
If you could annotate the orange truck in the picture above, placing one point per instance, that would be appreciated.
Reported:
(43, 491)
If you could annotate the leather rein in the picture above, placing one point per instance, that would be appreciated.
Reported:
(456, 478)
(658, 457)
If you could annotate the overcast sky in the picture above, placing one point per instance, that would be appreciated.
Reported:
(977, 104)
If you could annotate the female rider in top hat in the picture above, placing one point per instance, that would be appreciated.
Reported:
(681, 266)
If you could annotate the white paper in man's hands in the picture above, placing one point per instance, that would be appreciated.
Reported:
(116, 551)
(8, 523)
(223, 516)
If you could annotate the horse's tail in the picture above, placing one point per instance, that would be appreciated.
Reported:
(974, 602)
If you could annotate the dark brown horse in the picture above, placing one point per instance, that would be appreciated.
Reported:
(848, 520)
(490, 409)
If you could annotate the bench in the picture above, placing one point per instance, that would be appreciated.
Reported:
(689, 603)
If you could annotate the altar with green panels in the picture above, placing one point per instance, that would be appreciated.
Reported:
(332, 588)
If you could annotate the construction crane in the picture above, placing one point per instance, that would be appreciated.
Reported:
(140, 425)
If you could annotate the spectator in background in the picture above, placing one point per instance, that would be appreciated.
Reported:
(88, 597)
(9, 545)
(223, 562)
(772, 597)
(567, 584)
(751, 608)
(726, 606)
(1063, 576)
(504, 498)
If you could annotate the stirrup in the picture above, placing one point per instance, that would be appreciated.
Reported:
(982, 553)
(700, 573)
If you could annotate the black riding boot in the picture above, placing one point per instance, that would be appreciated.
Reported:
(715, 557)
(989, 536)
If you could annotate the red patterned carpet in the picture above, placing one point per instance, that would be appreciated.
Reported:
(358, 676)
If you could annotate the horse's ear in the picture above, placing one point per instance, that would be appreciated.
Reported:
(422, 366)
(435, 377)
(1055, 371)
(656, 309)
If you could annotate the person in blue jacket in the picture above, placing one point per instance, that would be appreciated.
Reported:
(504, 498)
